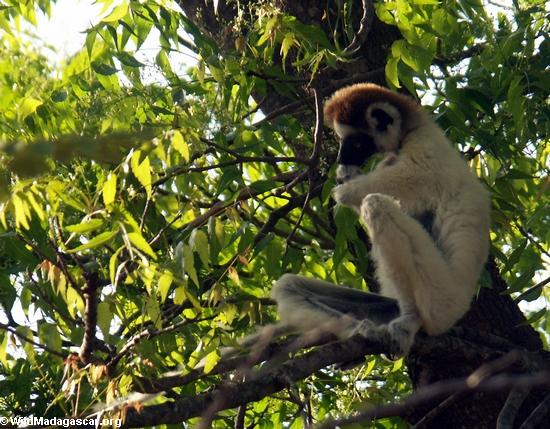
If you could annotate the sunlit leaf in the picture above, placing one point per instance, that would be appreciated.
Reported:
(211, 360)
(99, 240)
(137, 240)
(164, 283)
(29, 106)
(84, 227)
(118, 12)
(391, 72)
(180, 145)
(109, 189)
(189, 264)
(199, 243)
(142, 171)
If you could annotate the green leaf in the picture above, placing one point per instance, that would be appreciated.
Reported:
(391, 72)
(3, 350)
(49, 336)
(273, 258)
(163, 62)
(180, 295)
(514, 256)
(22, 212)
(109, 189)
(211, 360)
(216, 73)
(288, 41)
(189, 264)
(84, 227)
(103, 69)
(129, 60)
(152, 309)
(137, 240)
(537, 316)
(117, 13)
(26, 332)
(59, 95)
(164, 283)
(113, 265)
(142, 171)
(98, 240)
(267, 31)
(516, 103)
(104, 317)
(229, 175)
(263, 185)
(246, 239)
(216, 235)
(180, 145)
(28, 106)
(90, 41)
(199, 243)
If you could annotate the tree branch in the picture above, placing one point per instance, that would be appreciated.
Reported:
(537, 416)
(497, 383)
(511, 407)
(259, 386)
(90, 319)
(364, 28)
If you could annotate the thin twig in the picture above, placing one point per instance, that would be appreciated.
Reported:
(239, 421)
(244, 194)
(148, 334)
(177, 216)
(425, 421)
(364, 28)
(313, 159)
(59, 264)
(31, 341)
(241, 160)
(293, 106)
(145, 209)
(318, 135)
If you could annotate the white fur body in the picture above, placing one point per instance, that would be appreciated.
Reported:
(434, 276)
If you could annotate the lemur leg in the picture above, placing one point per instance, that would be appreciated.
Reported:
(305, 304)
(409, 266)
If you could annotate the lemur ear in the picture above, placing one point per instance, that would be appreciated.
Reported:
(383, 119)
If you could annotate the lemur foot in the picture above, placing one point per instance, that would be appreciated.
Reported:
(371, 331)
(401, 339)
(397, 335)
(376, 210)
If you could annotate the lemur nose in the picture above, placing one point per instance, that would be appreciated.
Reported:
(342, 179)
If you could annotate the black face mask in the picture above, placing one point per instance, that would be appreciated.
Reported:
(355, 149)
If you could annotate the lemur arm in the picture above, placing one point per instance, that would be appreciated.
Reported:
(408, 180)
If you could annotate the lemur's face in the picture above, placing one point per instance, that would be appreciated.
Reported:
(355, 148)
(367, 119)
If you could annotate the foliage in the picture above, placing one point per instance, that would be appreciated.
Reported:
(180, 205)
